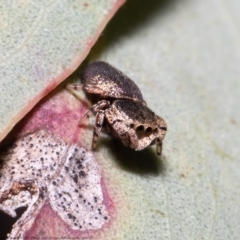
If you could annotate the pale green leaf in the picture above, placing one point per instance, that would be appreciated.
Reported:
(185, 56)
(43, 42)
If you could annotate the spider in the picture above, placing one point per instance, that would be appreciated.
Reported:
(121, 109)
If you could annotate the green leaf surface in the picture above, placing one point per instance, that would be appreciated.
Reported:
(184, 55)
(43, 42)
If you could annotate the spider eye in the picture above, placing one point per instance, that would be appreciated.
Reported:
(140, 128)
(163, 128)
(131, 125)
(148, 129)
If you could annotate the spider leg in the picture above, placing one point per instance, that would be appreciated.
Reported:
(127, 135)
(96, 108)
(74, 86)
(133, 138)
(98, 127)
(159, 148)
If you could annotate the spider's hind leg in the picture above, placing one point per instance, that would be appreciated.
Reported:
(98, 127)
(74, 86)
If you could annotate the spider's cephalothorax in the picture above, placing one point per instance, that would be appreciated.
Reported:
(121, 108)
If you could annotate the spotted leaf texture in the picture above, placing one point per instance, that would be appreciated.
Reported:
(40, 168)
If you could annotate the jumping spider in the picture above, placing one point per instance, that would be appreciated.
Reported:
(121, 109)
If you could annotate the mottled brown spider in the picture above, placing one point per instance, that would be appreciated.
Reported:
(121, 109)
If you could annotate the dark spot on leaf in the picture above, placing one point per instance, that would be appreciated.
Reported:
(82, 174)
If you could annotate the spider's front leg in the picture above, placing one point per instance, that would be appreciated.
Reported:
(96, 108)
(159, 148)
(98, 127)
(125, 133)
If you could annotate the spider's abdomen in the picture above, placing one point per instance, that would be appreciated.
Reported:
(103, 79)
